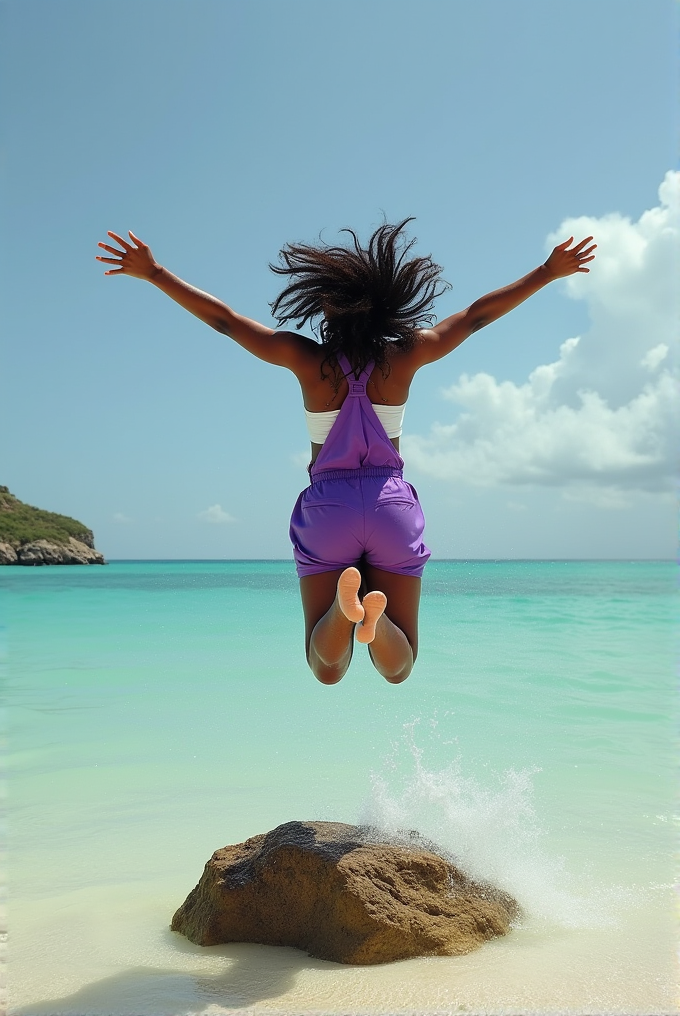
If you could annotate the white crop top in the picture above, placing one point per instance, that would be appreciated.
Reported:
(319, 424)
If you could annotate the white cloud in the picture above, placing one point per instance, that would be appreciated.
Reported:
(121, 519)
(301, 458)
(653, 357)
(215, 513)
(606, 414)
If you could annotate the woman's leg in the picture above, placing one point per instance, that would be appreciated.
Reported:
(332, 609)
(395, 646)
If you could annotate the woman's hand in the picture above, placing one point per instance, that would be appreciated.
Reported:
(135, 261)
(563, 262)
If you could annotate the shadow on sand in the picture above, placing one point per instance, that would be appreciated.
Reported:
(252, 974)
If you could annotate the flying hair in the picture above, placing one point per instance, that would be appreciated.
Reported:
(365, 299)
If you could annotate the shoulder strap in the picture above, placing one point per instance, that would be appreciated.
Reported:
(343, 363)
(346, 368)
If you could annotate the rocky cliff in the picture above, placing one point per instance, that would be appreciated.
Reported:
(32, 536)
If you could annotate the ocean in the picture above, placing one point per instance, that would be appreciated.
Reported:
(160, 710)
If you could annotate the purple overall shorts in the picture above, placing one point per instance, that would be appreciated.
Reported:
(358, 505)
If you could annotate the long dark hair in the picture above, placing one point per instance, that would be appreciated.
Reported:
(368, 298)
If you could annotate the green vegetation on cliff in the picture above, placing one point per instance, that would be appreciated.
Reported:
(21, 523)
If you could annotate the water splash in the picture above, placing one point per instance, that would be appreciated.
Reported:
(490, 830)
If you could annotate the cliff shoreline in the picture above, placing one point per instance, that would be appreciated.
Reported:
(32, 536)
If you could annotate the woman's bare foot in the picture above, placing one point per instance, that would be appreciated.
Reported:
(374, 604)
(365, 614)
(348, 595)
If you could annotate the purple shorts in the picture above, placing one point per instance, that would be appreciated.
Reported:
(350, 514)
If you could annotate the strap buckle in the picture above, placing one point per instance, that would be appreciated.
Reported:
(357, 388)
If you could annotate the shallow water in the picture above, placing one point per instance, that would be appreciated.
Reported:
(161, 710)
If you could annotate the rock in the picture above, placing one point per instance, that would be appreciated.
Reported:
(325, 888)
(45, 552)
(8, 554)
(40, 537)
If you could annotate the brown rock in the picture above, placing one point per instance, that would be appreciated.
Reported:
(8, 554)
(44, 552)
(325, 888)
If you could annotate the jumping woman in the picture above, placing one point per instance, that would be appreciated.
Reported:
(357, 530)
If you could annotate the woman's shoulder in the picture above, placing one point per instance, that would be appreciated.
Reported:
(319, 373)
(392, 382)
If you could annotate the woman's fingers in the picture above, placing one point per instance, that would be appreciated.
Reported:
(111, 250)
(135, 239)
(109, 261)
(119, 239)
(578, 248)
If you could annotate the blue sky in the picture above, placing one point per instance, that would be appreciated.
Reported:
(217, 131)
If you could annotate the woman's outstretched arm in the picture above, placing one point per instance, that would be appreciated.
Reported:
(448, 334)
(137, 261)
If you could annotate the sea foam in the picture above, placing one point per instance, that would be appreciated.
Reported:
(489, 828)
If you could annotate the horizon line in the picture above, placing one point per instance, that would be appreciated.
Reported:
(460, 560)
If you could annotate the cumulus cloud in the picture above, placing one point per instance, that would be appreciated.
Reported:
(602, 417)
(215, 513)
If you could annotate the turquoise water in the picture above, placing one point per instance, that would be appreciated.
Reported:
(159, 710)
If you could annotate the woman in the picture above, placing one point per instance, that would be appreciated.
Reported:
(357, 529)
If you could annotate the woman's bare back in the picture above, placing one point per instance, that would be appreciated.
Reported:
(324, 389)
